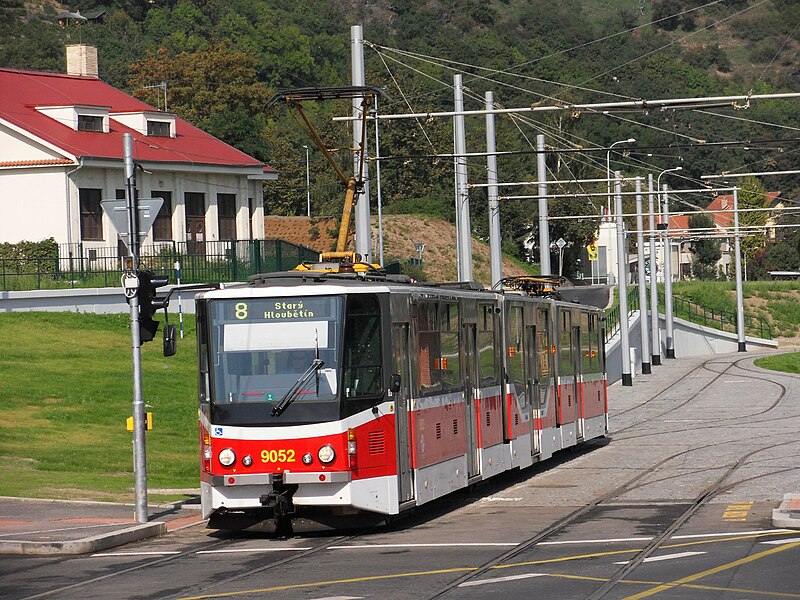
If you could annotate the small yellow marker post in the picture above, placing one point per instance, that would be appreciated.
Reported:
(148, 422)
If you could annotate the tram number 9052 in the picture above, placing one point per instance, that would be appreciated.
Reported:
(277, 456)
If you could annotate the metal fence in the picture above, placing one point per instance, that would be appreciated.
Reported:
(78, 266)
(694, 313)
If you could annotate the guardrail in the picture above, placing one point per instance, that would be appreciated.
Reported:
(694, 313)
(80, 266)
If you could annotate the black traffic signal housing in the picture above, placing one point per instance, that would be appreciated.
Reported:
(149, 304)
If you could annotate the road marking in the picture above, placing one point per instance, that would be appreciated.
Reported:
(779, 542)
(293, 586)
(664, 557)
(719, 569)
(442, 545)
(500, 499)
(233, 550)
(674, 537)
(737, 512)
(340, 598)
(500, 579)
(153, 553)
(598, 541)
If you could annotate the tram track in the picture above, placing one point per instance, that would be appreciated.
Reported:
(704, 497)
(712, 423)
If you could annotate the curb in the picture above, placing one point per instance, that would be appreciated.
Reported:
(787, 515)
(86, 545)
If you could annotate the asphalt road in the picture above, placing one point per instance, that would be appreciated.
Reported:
(677, 503)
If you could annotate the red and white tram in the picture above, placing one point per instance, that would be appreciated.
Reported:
(341, 398)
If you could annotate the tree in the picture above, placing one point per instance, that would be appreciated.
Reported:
(215, 89)
(705, 250)
(752, 196)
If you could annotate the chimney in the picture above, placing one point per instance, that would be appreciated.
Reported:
(82, 60)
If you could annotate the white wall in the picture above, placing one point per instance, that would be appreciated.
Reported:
(32, 205)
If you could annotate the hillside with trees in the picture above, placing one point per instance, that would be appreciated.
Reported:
(217, 64)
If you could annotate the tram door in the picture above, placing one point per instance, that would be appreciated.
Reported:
(402, 405)
(470, 377)
(531, 377)
(568, 401)
(579, 332)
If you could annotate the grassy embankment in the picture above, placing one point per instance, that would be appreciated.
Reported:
(65, 392)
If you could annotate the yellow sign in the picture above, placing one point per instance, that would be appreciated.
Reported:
(148, 422)
(591, 250)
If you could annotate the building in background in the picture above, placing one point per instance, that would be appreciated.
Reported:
(61, 154)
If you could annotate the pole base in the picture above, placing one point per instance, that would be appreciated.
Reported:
(742, 346)
(627, 379)
(646, 369)
(670, 352)
(656, 360)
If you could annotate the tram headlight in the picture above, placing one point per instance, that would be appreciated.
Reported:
(326, 454)
(247, 460)
(227, 457)
(307, 458)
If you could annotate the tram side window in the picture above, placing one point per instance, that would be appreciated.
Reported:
(565, 344)
(487, 356)
(362, 351)
(543, 348)
(449, 364)
(428, 353)
(588, 357)
(515, 353)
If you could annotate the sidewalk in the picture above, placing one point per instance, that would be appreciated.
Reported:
(36, 526)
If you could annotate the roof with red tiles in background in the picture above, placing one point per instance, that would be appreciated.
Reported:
(23, 91)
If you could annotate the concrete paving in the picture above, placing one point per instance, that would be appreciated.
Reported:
(40, 526)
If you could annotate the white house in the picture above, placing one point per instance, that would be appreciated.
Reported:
(61, 154)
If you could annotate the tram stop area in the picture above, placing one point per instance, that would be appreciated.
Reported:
(51, 526)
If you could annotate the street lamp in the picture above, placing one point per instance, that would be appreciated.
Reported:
(608, 167)
(670, 341)
(308, 184)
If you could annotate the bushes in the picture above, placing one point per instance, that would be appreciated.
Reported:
(29, 257)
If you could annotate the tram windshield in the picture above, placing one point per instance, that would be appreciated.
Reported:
(260, 349)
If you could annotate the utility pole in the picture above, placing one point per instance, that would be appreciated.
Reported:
(642, 287)
(363, 228)
(463, 237)
(670, 350)
(495, 249)
(131, 284)
(655, 329)
(622, 260)
(544, 226)
(742, 345)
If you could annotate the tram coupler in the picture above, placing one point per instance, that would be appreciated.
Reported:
(280, 501)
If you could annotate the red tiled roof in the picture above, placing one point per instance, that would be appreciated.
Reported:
(23, 91)
(37, 163)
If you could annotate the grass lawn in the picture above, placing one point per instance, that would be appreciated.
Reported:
(66, 389)
(789, 363)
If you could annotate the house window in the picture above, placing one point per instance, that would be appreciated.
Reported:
(91, 214)
(90, 123)
(162, 228)
(226, 205)
(158, 128)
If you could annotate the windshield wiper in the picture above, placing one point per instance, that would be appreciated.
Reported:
(294, 391)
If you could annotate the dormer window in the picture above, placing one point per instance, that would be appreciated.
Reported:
(90, 123)
(149, 122)
(158, 128)
(79, 117)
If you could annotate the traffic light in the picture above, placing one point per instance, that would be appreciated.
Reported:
(149, 282)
